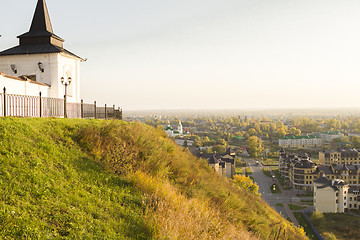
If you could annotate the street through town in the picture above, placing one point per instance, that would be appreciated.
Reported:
(285, 197)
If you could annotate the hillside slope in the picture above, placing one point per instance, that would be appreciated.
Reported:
(92, 179)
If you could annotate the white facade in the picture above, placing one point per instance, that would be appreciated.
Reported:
(56, 66)
(329, 136)
(303, 141)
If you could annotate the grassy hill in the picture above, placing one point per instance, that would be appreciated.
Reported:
(92, 179)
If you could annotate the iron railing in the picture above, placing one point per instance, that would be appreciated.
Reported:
(38, 106)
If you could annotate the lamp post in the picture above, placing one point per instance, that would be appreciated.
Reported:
(66, 84)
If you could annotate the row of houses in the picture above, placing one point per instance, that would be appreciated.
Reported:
(314, 140)
(300, 171)
(336, 186)
(340, 156)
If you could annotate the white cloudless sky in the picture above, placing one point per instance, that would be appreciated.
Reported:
(206, 54)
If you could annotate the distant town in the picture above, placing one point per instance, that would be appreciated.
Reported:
(304, 166)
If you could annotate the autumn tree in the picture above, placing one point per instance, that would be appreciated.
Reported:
(295, 131)
(246, 183)
(254, 146)
(280, 132)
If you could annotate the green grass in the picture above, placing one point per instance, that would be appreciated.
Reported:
(93, 179)
(56, 191)
(270, 161)
(267, 173)
(277, 189)
(280, 179)
(280, 204)
(248, 171)
(341, 225)
(307, 201)
(294, 207)
(304, 223)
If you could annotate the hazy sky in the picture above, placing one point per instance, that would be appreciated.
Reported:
(201, 54)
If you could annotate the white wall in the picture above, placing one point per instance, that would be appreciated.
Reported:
(56, 65)
(22, 87)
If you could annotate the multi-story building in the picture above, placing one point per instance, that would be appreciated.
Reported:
(340, 156)
(330, 196)
(328, 136)
(300, 141)
(300, 172)
(335, 196)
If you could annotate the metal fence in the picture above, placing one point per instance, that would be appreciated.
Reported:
(33, 106)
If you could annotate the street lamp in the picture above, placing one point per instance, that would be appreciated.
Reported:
(66, 84)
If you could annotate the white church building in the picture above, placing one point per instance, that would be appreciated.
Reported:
(40, 63)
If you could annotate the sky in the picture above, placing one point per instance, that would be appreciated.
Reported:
(206, 54)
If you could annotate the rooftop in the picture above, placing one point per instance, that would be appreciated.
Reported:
(300, 137)
(331, 132)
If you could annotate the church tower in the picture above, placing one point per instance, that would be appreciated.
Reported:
(41, 56)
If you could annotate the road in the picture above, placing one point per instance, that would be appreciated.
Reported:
(264, 182)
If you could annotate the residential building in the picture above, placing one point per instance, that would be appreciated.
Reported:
(300, 141)
(328, 136)
(340, 156)
(300, 171)
(330, 196)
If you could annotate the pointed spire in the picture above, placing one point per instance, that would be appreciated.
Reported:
(41, 31)
(41, 20)
(40, 38)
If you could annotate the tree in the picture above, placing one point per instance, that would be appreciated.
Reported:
(254, 146)
(246, 183)
(280, 132)
(252, 131)
(295, 131)
(355, 140)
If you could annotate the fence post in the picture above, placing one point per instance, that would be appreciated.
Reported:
(40, 104)
(82, 109)
(114, 112)
(105, 112)
(4, 102)
(95, 109)
(121, 116)
(65, 112)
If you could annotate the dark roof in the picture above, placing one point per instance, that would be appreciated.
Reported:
(230, 151)
(323, 180)
(341, 167)
(325, 169)
(36, 49)
(354, 189)
(305, 163)
(40, 38)
(213, 160)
